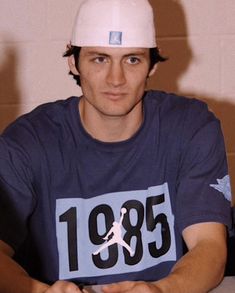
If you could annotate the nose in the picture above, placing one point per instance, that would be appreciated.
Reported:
(116, 74)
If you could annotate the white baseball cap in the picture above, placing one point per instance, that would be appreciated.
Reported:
(114, 23)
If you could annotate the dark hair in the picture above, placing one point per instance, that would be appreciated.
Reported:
(155, 57)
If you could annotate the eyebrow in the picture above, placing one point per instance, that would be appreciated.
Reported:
(134, 53)
(97, 53)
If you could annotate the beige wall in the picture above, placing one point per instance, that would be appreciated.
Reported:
(197, 35)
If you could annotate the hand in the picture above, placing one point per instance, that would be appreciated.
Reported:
(63, 287)
(132, 287)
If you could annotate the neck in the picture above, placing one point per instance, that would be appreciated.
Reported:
(110, 128)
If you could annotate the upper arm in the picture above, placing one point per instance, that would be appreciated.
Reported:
(6, 249)
(203, 190)
(211, 232)
(207, 248)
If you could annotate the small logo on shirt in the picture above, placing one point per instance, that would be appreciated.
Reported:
(116, 236)
(115, 38)
(224, 187)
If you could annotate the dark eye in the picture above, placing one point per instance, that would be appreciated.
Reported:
(100, 59)
(133, 60)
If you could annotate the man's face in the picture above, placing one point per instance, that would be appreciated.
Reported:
(113, 80)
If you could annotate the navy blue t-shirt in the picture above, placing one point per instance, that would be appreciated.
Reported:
(76, 208)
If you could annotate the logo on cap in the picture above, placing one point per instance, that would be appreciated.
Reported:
(115, 38)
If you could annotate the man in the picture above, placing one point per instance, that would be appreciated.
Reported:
(148, 165)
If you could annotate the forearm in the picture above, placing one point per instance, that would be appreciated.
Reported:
(15, 280)
(200, 270)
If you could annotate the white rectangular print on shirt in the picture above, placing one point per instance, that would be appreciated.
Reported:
(115, 233)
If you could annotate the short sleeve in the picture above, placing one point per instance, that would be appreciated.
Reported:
(203, 189)
(17, 198)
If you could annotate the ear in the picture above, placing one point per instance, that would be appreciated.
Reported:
(153, 70)
(72, 67)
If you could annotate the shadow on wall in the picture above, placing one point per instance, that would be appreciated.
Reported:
(172, 35)
(172, 40)
(9, 89)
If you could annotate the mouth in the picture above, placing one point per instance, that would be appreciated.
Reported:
(114, 95)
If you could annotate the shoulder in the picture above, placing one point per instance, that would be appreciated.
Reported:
(183, 120)
(184, 109)
(39, 129)
(42, 118)
(53, 110)
(170, 100)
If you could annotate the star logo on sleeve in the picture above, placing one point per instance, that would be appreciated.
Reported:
(224, 187)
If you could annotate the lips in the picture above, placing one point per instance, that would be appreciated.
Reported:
(114, 95)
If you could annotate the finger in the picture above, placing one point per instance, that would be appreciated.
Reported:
(63, 287)
(118, 287)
